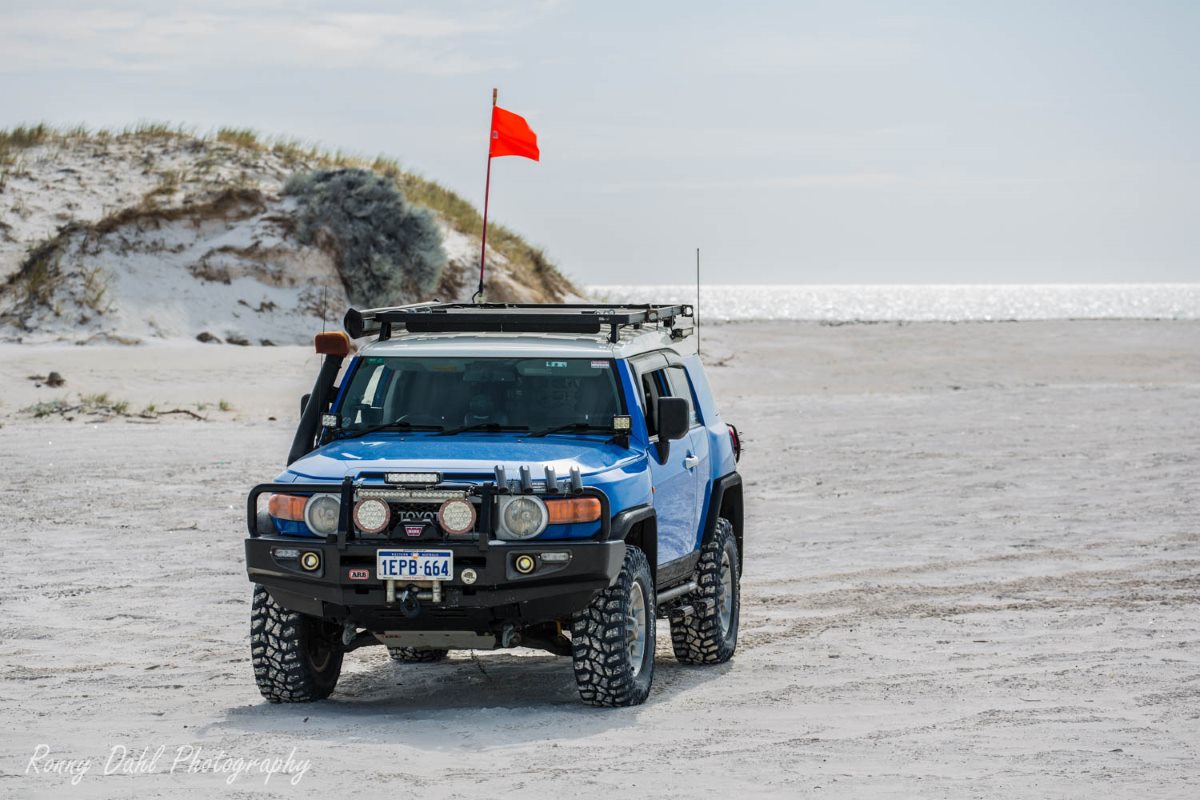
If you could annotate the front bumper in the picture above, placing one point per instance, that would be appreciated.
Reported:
(346, 588)
(498, 596)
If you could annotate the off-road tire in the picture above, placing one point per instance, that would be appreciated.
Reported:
(700, 637)
(296, 658)
(600, 639)
(417, 655)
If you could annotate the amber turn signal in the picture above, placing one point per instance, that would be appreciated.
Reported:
(286, 506)
(334, 343)
(577, 509)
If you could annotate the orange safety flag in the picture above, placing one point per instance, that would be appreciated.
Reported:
(512, 136)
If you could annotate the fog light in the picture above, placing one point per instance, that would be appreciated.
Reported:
(556, 558)
(372, 515)
(524, 564)
(457, 516)
(469, 576)
(285, 552)
(310, 561)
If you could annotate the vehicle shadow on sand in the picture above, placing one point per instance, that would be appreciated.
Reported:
(374, 690)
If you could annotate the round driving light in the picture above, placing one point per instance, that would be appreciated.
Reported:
(457, 516)
(321, 513)
(524, 517)
(372, 515)
(469, 576)
(310, 561)
(524, 564)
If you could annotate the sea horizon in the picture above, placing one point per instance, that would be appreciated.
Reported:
(919, 302)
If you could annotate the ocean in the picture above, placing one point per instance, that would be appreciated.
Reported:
(922, 303)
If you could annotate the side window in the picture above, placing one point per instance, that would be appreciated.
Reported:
(652, 389)
(666, 382)
(677, 379)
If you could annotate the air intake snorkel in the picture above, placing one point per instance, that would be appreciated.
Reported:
(335, 346)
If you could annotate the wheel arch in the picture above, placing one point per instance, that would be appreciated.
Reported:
(726, 501)
(639, 527)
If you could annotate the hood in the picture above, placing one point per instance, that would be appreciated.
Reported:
(459, 454)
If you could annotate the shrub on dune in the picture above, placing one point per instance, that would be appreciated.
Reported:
(387, 251)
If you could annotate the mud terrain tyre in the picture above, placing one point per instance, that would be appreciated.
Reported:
(709, 634)
(417, 655)
(296, 658)
(612, 640)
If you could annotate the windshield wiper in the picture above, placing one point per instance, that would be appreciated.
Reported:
(398, 425)
(577, 427)
(482, 426)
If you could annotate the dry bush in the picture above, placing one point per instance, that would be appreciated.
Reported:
(388, 251)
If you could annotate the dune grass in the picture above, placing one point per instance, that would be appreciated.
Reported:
(24, 136)
(239, 137)
(99, 403)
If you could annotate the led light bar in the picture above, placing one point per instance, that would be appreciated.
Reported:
(413, 478)
(412, 495)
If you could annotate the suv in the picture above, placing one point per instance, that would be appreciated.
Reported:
(493, 476)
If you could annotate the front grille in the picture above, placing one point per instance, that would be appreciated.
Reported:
(414, 512)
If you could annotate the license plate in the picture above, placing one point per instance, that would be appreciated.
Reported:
(415, 565)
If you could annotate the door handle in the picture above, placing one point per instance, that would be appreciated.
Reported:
(691, 461)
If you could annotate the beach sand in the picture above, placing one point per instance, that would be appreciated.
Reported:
(972, 570)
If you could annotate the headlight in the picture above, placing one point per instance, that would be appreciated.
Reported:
(321, 513)
(372, 515)
(522, 517)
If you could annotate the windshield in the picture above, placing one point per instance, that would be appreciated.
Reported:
(484, 394)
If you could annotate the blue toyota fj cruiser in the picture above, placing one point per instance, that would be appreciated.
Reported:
(488, 476)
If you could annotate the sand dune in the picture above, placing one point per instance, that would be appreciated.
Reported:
(154, 235)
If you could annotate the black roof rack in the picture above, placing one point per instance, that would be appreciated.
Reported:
(515, 318)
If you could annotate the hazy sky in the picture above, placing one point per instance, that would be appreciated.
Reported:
(794, 142)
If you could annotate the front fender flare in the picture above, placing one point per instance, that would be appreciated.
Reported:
(638, 526)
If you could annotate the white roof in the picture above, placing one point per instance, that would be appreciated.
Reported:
(631, 343)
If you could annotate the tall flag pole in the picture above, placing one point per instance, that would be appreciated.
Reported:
(510, 135)
(487, 191)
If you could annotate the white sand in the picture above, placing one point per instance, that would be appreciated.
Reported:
(972, 571)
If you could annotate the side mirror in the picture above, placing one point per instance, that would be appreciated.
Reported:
(674, 418)
(304, 402)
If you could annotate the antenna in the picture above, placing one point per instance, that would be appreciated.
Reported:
(324, 306)
(697, 312)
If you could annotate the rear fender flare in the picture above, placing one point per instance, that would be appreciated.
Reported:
(726, 501)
